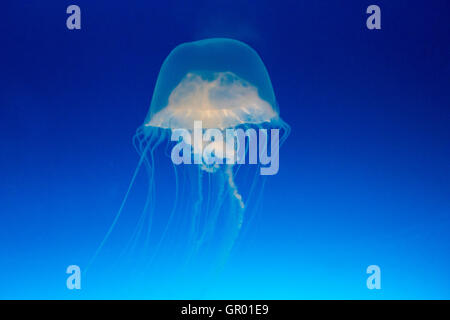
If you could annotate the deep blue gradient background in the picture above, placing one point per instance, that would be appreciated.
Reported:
(364, 177)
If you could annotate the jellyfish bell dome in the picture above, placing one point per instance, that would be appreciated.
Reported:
(222, 82)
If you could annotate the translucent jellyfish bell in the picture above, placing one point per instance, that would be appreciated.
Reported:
(221, 82)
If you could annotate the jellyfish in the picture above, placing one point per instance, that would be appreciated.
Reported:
(223, 85)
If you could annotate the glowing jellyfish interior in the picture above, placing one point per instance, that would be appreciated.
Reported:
(224, 84)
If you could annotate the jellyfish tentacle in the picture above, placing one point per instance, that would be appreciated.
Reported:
(151, 210)
(208, 201)
(148, 201)
(139, 142)
(169, 221)
(117, 216)
(286, 131)
(197, 209)
(131, 243)
(129, 248)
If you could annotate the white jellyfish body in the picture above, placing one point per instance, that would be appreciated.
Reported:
(224, 84)
(221, 101)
